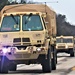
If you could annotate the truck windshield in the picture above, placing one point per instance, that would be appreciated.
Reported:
(67, 41)
(32, 23)
(9, 24)
(62, 40)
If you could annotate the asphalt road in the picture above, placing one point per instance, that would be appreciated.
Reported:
(65, 66)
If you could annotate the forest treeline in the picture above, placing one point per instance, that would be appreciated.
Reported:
(63, 27)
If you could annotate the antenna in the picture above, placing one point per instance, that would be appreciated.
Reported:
(45, 3)
(32, 3)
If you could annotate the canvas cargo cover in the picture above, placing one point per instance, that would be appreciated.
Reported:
(51, 15)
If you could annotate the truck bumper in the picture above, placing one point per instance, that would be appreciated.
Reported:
(22, 56)
(67, 50)
(29, 53)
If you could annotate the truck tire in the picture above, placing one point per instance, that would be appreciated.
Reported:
(71, 53)
(3, 67)
(53, 64)
(46, 64)
(12, 67)
(53, 61)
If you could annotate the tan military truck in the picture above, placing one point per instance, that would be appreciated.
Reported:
(65, 44)
(27, 36)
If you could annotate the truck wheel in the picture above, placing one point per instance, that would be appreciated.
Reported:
(3, 67)
(53, 64)
(12, 67)
(71, 53)
(46, 64)
(53, 61)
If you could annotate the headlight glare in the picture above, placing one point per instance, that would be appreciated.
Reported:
(4, 50)
(38, 49)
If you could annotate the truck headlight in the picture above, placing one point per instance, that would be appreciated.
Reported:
(66, 46)
(4, 50)
(56, 47)
(38, 49)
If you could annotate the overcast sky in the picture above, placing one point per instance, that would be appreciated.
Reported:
(64, 7)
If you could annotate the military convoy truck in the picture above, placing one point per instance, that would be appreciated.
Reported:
(27, 36)
(65, 44)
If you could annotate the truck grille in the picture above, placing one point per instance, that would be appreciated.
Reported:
(25, 40)
(61, 47)
(22, 55)
(19, 40)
